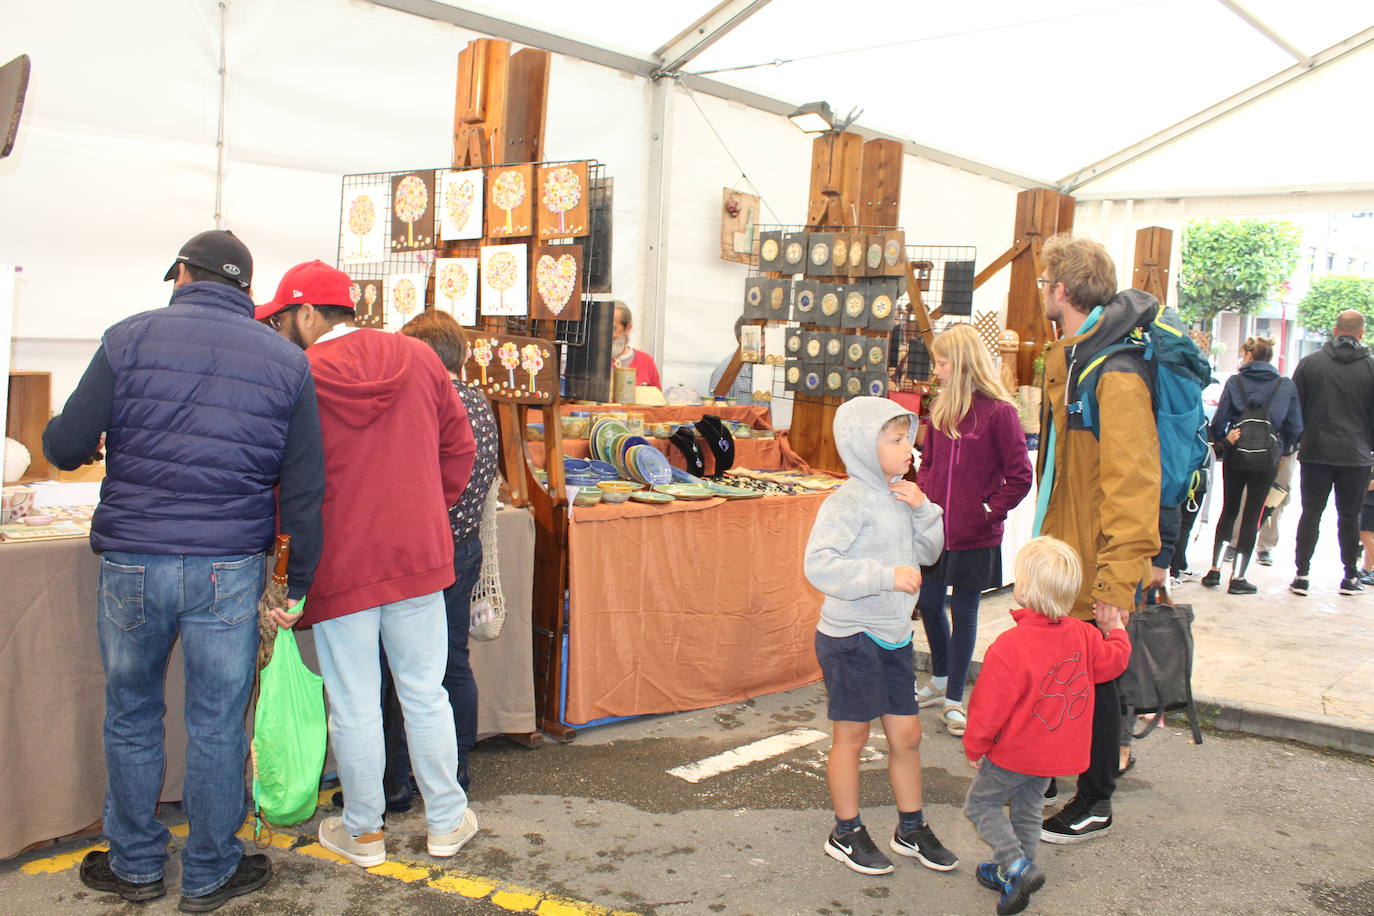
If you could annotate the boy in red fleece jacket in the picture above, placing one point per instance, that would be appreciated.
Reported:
(1031, 714)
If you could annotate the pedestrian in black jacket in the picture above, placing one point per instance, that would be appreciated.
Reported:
(1336, 387)
(1245, 485)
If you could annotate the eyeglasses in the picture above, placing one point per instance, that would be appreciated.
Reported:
(1042, 282)
(274, 321)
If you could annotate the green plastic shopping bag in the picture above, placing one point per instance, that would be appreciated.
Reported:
(289, 735)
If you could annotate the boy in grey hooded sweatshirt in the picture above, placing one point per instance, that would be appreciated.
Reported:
(869, 541)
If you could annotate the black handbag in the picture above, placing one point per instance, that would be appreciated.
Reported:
(1159, 678)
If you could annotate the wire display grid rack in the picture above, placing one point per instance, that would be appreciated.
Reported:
(569, 333)
(908, 362)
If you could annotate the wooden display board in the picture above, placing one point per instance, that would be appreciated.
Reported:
(28, 408)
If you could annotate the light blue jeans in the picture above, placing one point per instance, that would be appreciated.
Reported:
(414, 633)
(146, 600)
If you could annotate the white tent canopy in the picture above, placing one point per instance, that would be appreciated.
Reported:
(117, 161)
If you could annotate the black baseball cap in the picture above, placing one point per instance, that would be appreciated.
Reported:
(218, 251)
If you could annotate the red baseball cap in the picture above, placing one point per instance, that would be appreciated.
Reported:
(313, 282)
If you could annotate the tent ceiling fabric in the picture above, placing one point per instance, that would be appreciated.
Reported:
(1041, 90)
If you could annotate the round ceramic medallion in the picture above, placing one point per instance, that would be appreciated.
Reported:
(775, 297)
(840, 252)
(769, 250)
(876, 388)
(830, 304)
(892, 252)
(794, 252)
(876, 356)
(832, 346)
(875, 255)
(805, 300)
(854, 304)
(820, 254)
(855, 353)
(834, 380)
(813, 381)
(813, 347)
(882, 306)
(793, 343)
(793, 374)
(754, 295)
(853, 386)
(856, 254)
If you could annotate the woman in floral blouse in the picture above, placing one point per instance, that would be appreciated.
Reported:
(445, 336)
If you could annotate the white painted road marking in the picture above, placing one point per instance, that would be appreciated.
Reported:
(753, 752)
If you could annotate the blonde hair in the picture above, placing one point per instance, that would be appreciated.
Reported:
(1048, 576)
(970, 370)
(1261, 349)
(1083, 266)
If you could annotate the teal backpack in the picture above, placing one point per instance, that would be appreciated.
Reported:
(1175, 370)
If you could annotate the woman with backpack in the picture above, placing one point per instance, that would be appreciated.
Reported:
(974, 466)
(1258, 420)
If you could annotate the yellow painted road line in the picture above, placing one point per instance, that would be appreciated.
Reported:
(503, 894)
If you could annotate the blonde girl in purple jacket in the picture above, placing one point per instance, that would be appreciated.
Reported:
(975, 467)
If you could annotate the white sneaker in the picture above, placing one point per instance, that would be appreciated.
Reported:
(954, 719)
(928, 695)
(366, 850)
(443, 845)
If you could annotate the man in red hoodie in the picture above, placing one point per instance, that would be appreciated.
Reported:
(1032, 713)
(398, 452)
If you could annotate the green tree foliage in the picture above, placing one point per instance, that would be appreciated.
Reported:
(1332, 294)
(1234, 265)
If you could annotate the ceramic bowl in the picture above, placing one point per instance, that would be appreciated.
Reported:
(615, 497)
(587, 496)
(575, 427)
(36, 520)
(619, 486)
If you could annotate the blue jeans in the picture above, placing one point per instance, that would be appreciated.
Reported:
(951, 646)
(414, 633)
(212, 602)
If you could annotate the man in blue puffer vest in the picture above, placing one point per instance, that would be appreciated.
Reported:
(205, 412)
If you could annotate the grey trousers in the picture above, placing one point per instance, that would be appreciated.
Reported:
(1010, 837)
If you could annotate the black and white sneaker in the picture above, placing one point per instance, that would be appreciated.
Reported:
(1264, 558)
(1079, 820)
(1051, 791)
(1298, 586)
(922, 845)
(1351, 586)
(856, 850)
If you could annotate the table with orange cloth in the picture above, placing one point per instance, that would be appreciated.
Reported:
(689, 605)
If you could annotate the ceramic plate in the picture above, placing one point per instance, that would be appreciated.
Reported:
(685, 491)
(652, 466)
(681, 476)
(729, 492)
(649, 496)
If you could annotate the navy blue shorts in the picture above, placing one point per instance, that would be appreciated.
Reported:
(864, 680)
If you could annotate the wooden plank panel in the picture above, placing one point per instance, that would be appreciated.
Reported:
(1153, 248)
(880, 183)
(496, 97)
(527, 98)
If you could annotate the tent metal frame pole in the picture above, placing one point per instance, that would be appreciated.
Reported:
(534, 37)
(706, 31)
(654, 297)
(1254, 22)
(1354, 44)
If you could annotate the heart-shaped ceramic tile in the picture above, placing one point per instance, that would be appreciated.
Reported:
(458, 201)
(555, 279)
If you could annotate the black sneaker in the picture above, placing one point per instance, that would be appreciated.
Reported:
(922, 845)
(252, 873)
(1079, 820)
(1212, 579)
(1351, 586)
(1264, 558)
(1298, 586)
(98, 876)
(1051, 791)
(856, 850)
(1241, 587)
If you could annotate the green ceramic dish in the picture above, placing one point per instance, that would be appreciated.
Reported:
(649, 496)
(684, 491)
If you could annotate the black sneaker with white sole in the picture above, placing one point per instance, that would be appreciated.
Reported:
(1298, 586)
(922, 845)
(856, 849)
(1079, 820)
(1351, 586)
